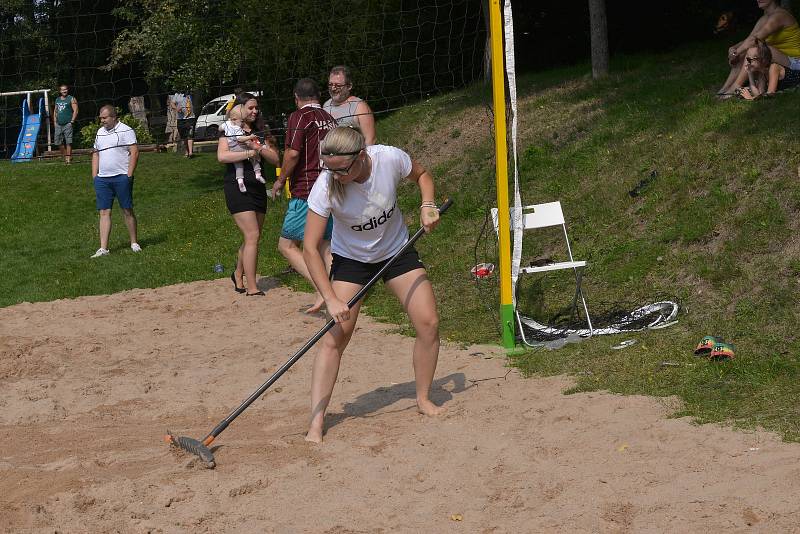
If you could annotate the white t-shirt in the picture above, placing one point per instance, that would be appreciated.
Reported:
(367, 225)
(113, 149)
(231, 132)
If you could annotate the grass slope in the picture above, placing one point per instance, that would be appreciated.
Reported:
(715, 226)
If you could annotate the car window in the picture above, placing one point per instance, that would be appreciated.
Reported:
(211, 107)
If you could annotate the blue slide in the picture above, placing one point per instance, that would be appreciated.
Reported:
(26, 142)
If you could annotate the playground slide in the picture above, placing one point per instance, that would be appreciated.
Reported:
(26, 142)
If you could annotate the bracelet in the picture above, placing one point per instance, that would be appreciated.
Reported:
(428, 204)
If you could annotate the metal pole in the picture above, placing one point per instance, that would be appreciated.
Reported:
(12, 93)
(501, 174)
(47, 118)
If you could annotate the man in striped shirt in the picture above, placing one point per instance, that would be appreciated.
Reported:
(301, 162)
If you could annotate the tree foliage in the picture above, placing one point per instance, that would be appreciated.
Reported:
(89, 132)
(193, 44)
(186, 42)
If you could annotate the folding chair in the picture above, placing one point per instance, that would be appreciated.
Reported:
(543, 216)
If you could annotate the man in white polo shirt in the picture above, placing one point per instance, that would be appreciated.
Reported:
(113, 162)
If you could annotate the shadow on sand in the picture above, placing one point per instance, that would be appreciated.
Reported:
(374, 401)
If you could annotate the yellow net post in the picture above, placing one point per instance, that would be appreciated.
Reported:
(501, 174)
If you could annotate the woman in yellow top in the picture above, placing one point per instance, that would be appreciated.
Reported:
(779, 29)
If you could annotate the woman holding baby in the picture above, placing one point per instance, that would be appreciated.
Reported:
(247, 207)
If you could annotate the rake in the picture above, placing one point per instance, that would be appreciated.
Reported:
(201, 448)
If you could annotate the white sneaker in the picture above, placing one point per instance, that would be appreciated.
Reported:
(135, 247)
(100, 252)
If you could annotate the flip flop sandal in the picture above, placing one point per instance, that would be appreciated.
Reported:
(722, 351)
(706, 345)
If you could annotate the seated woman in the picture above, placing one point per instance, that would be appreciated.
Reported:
(765, 75)
(779, 29)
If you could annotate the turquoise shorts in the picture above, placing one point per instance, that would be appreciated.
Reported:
(294, 224)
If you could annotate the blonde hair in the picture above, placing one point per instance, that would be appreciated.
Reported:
(235, 112)
(340, 141)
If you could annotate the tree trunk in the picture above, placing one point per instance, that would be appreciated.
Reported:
(598, 28)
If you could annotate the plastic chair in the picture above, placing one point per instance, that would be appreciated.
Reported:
(543, 216)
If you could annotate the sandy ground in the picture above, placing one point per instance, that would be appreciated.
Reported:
(89, 386)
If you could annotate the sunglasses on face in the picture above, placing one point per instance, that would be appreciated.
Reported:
(337, 85)
(344, 171)
(751, 59)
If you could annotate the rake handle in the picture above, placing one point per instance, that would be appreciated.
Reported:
(310, 343)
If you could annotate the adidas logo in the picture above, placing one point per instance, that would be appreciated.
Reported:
(373, 222)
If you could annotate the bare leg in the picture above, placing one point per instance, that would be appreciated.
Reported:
(62, 150)
(325, 251)
(326, 363)
(189, 147)
(239, 271)
(105, 227)
(735, 78)
(130, 222)
(415, 292)
(68, 157)
(249, 223)
(291, 251)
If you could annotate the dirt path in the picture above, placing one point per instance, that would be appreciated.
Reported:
(88, 387)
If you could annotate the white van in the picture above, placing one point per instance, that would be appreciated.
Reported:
(213, 115)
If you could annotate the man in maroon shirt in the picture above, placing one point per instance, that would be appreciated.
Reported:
(301, 161)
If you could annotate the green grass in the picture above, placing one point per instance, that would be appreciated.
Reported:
(48, 229)
(715, 227)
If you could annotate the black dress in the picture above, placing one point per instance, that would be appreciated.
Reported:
(254, 199)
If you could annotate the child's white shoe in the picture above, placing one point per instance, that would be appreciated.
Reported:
(260, 178)
(242, 188)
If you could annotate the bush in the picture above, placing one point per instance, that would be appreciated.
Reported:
(143, 135)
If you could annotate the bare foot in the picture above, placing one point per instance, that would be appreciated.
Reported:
(317, 305)
(314, 435)
(426, 407)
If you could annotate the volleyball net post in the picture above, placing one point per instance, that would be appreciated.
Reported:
(501, 175)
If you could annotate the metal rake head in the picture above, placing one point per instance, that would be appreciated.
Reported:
(193, 446)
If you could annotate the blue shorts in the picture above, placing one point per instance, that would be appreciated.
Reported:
(106, 188)
(294, 224)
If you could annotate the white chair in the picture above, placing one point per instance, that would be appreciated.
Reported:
(543, 216)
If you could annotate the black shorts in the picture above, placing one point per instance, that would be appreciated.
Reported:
(186, 128)
(356, 272)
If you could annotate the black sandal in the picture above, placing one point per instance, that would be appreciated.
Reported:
(235, 287)
(256, 294)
